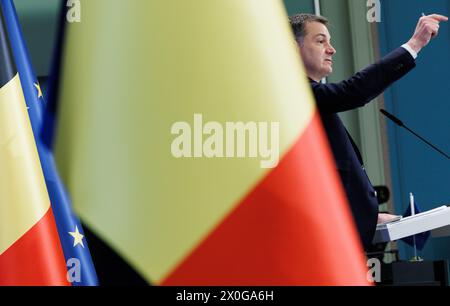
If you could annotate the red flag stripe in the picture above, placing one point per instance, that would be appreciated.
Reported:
(36, 259)
(294, 228)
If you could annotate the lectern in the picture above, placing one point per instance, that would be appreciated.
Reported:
(433, 273)
(436, 220)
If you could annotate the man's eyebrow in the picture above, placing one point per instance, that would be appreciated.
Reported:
(324, 36)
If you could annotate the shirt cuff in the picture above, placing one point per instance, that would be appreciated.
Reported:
(410, 50)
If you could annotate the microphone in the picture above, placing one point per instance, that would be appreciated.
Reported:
(401, 124)
(392, 117)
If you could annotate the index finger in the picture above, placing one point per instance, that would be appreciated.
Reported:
(438, 17)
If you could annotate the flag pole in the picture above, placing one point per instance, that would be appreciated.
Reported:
(413, 212)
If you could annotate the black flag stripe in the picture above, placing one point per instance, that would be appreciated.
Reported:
(7, 67)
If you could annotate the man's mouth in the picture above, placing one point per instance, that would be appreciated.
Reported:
(329, 60)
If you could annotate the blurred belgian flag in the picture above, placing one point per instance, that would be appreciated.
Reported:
(130, 70)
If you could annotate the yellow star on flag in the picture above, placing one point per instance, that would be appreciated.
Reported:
(78, 238)
(38, 87)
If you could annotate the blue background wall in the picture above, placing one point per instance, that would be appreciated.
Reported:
(39, 20)
(296, 6)
(422, 101)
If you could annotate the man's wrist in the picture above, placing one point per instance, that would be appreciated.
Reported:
(411, 50)
(414, 45)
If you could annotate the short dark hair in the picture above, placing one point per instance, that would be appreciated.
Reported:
(298, 24)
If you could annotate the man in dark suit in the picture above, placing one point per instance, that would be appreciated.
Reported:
(313, 39)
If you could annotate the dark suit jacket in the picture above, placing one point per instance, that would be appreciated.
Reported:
(349, 94)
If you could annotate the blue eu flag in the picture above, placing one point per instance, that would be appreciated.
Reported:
(421, 238)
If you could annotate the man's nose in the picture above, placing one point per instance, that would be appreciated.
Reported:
(331, 50)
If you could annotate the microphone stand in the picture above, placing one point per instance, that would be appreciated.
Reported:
(401, 124)
(411, 197)
(426, 141)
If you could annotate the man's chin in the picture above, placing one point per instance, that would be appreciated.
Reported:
(327, 72)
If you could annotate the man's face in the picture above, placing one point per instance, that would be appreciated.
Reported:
(317, 51)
